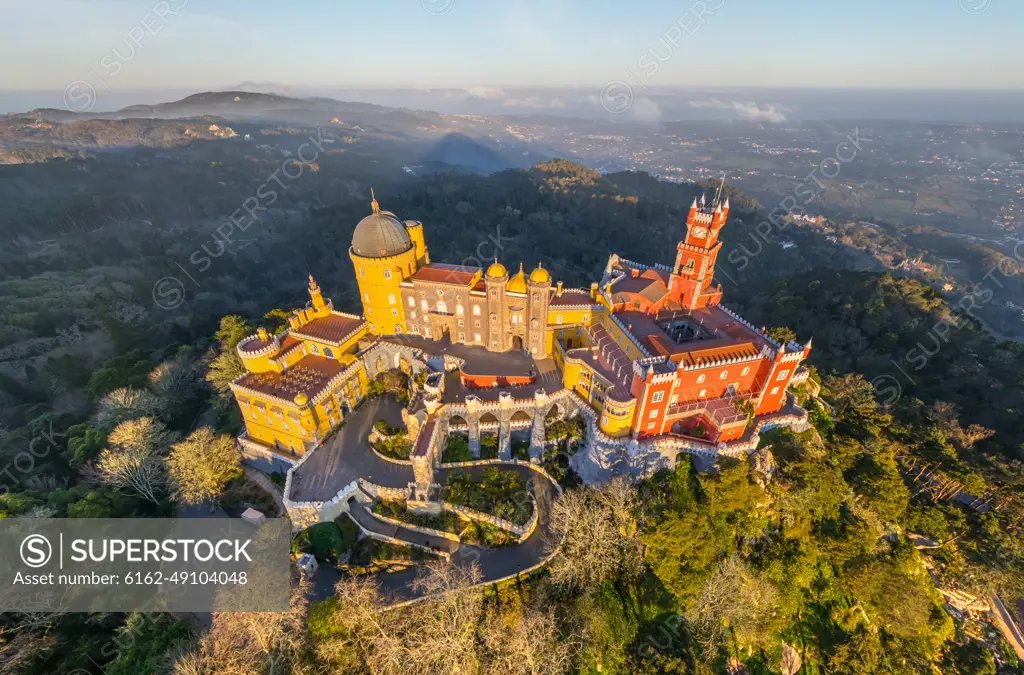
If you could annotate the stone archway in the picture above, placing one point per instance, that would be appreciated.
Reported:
(457, 421)
(521, 416)
(553, 414)
(488, 418)
(517, 343)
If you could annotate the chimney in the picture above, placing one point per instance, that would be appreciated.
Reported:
(261, 332)
(558, 288)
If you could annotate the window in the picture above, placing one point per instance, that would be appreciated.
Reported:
(650, 426)
(458, 309)
(387, 273)
(533, 350)
(654, 414)
(782, 375)
(533, 323)
(391, 298)
(494, 317)
(658, 397)
(476, 337)
(362, 272)
(775, 390)
(328, 353)
(412, 301)
(476, 310)
(313, 349)
(745, 370)
(426, 331)
(440, 292)
(476, 324)
(700, 378)
(674, 399)
(442, 307)
(424, 305)
(461, 323)
(462, 337)
(366, 297)
(725, 374)
(394, 312)
(558, 319)
(412, 314)
(398, 329)
(586, 318)
(703, 393)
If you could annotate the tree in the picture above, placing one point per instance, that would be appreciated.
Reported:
(125, 404)
(134, 460)
(200, 466)
(527, 643)
(244, 643)
(176, 382)
(596, 535)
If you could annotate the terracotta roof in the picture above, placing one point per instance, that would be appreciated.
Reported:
(308, 376)
(331, 328)
(571, 298)
(651, 289)
(729, 338)
(442, 273)
(256, 345)
(716, 352)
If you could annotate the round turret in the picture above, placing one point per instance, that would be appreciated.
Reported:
(540, 275)
(301, 399)
(380, 235)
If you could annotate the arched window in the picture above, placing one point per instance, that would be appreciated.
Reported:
(700, 378)
(442, 308)
(458, 309)
(745, 371)
(387, 273)
(476, 310)
(412, 301)
(424, 305)
(558, 319)
(313, 349)
(366, 296)
(391, 298)
(328, 353)
(725, 374)
(398, 329)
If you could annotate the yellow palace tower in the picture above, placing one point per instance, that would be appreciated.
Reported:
(385, 251)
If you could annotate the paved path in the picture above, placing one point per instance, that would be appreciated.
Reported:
(347, 456)
(367, 521)
(264, 482)
(495, 563)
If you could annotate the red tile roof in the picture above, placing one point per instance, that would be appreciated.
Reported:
(443, 273)
(332, 328)
(571, 298)
(308, 376)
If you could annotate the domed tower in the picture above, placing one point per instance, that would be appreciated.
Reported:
(494, 281)
(539, 292)
(383, 255)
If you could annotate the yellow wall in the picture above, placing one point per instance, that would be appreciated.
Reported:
(374, 289)
(569, 315)
(616, 417)
(418, 242)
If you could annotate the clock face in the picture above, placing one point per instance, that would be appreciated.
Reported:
(700, 232)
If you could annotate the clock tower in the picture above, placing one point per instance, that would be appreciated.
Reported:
(694, 270)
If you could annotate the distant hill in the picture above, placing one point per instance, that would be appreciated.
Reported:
(460, 152)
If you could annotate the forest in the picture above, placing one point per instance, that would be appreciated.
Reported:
(808, 557)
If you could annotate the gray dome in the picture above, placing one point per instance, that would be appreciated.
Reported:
(380, 235)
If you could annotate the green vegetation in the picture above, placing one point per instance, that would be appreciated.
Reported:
(327, 541)
(392, 441)
(497, 492)
(444, 521)
(488, 445)
(456, 449)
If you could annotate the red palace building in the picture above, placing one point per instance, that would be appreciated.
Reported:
(663, 356)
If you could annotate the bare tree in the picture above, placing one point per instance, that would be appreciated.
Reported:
(596, 535)
(124, 404)
(526, 643)
(201, 465)
(134, 460)
(435, 635)
(732, 599)
(251, 643)
(176, 381)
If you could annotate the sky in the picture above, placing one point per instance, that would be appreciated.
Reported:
(486, 44)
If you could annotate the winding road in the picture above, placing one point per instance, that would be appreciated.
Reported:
(347, 456)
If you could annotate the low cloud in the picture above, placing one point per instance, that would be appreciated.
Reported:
(533, 102)
(746, 110)
(645, 110)
(485, 92)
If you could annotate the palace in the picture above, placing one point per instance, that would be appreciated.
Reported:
(648, 353)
